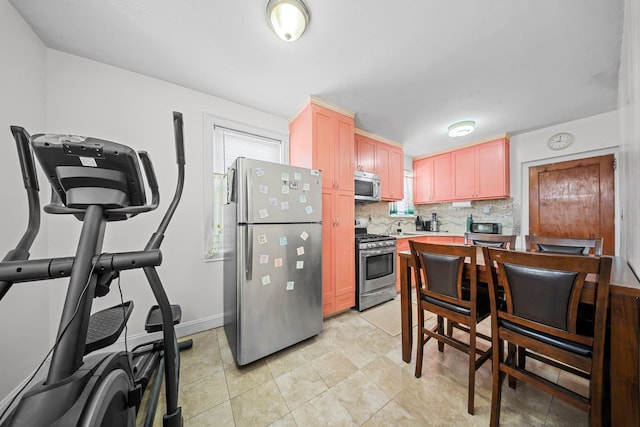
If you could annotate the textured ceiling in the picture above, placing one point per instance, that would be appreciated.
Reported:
(407, 68)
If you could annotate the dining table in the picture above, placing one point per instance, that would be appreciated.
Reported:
(623, 331)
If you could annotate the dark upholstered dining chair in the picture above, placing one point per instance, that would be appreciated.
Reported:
(539, 312)
(562, 245)
(505, 241)
(442, 290)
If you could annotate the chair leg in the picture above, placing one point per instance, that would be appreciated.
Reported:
(440, 332)
(512, 353)
(496, 383)
(472, 369)
(450, 324)
(420, 343)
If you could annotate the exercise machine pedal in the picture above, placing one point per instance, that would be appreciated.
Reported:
(154, 318)
(105, 326)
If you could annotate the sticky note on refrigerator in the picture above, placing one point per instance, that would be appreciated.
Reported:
(263, 189)
(263, 213)
(290, 286)
(285, 176)
(300, 250)
(306, 187)
(283, 241)
(284, 206)
(302, 198)
(297, 176)
(266, 280)
(285, 189)
(277, 262)
(299, 265)
(273, 202)
(309, 210)
(259, 172)
(262, 239)
(264, 259)
(304, 235)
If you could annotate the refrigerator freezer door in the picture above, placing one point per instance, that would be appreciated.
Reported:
(280, 288)
(274, 193)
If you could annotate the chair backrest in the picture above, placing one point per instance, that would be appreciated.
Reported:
(564, 245)
(504, 241)
(440, 270)
(542, 291)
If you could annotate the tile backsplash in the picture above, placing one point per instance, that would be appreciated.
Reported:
(451, 219)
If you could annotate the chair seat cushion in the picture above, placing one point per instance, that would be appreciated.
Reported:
(483, 307)
(571, 346)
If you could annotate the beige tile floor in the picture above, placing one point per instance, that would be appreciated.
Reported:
(352, 374)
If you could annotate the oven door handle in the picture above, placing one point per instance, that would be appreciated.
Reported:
(368, 252)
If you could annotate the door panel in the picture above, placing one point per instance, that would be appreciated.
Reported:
(574, 199)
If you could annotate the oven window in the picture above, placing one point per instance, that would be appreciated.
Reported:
(379, 266)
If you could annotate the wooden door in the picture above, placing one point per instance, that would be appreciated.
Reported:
(574, 199)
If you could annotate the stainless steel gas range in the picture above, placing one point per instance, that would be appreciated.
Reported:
(376, 259)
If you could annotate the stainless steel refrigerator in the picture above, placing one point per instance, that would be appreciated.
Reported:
(272, 257)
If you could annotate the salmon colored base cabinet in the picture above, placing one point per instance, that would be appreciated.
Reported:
(481, 171)
(384, 159)
(472, 173)
(321, 138)
(403, 245)
(432, 179)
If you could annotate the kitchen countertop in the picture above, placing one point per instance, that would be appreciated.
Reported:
(410, 234)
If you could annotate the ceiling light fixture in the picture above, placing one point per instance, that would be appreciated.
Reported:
(288, 18)
(461, 128)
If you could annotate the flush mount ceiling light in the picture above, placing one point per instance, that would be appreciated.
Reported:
(288, 18)
(461, 128)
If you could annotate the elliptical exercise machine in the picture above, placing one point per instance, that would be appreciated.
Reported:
(98, 182)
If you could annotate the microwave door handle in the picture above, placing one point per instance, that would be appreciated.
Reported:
(376, 189)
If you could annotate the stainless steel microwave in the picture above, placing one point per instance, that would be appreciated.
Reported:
(486, 227)
(367, 187)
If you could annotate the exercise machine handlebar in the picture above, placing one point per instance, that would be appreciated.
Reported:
(30, 179)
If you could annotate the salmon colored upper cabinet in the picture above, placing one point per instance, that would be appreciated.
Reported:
(481, 171)
(432, 179)
(365, 154)
(385, 160)
(321, 138)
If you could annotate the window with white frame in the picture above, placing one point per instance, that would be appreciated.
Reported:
(405, 206)
(226, 140)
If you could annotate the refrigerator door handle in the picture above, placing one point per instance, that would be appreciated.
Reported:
(249, 198)
(230, 184)
(249, 252)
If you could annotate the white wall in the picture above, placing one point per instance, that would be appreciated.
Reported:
(594, 136)
(629, 107)
(48, 91)
(93, 99)
(24, 319)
